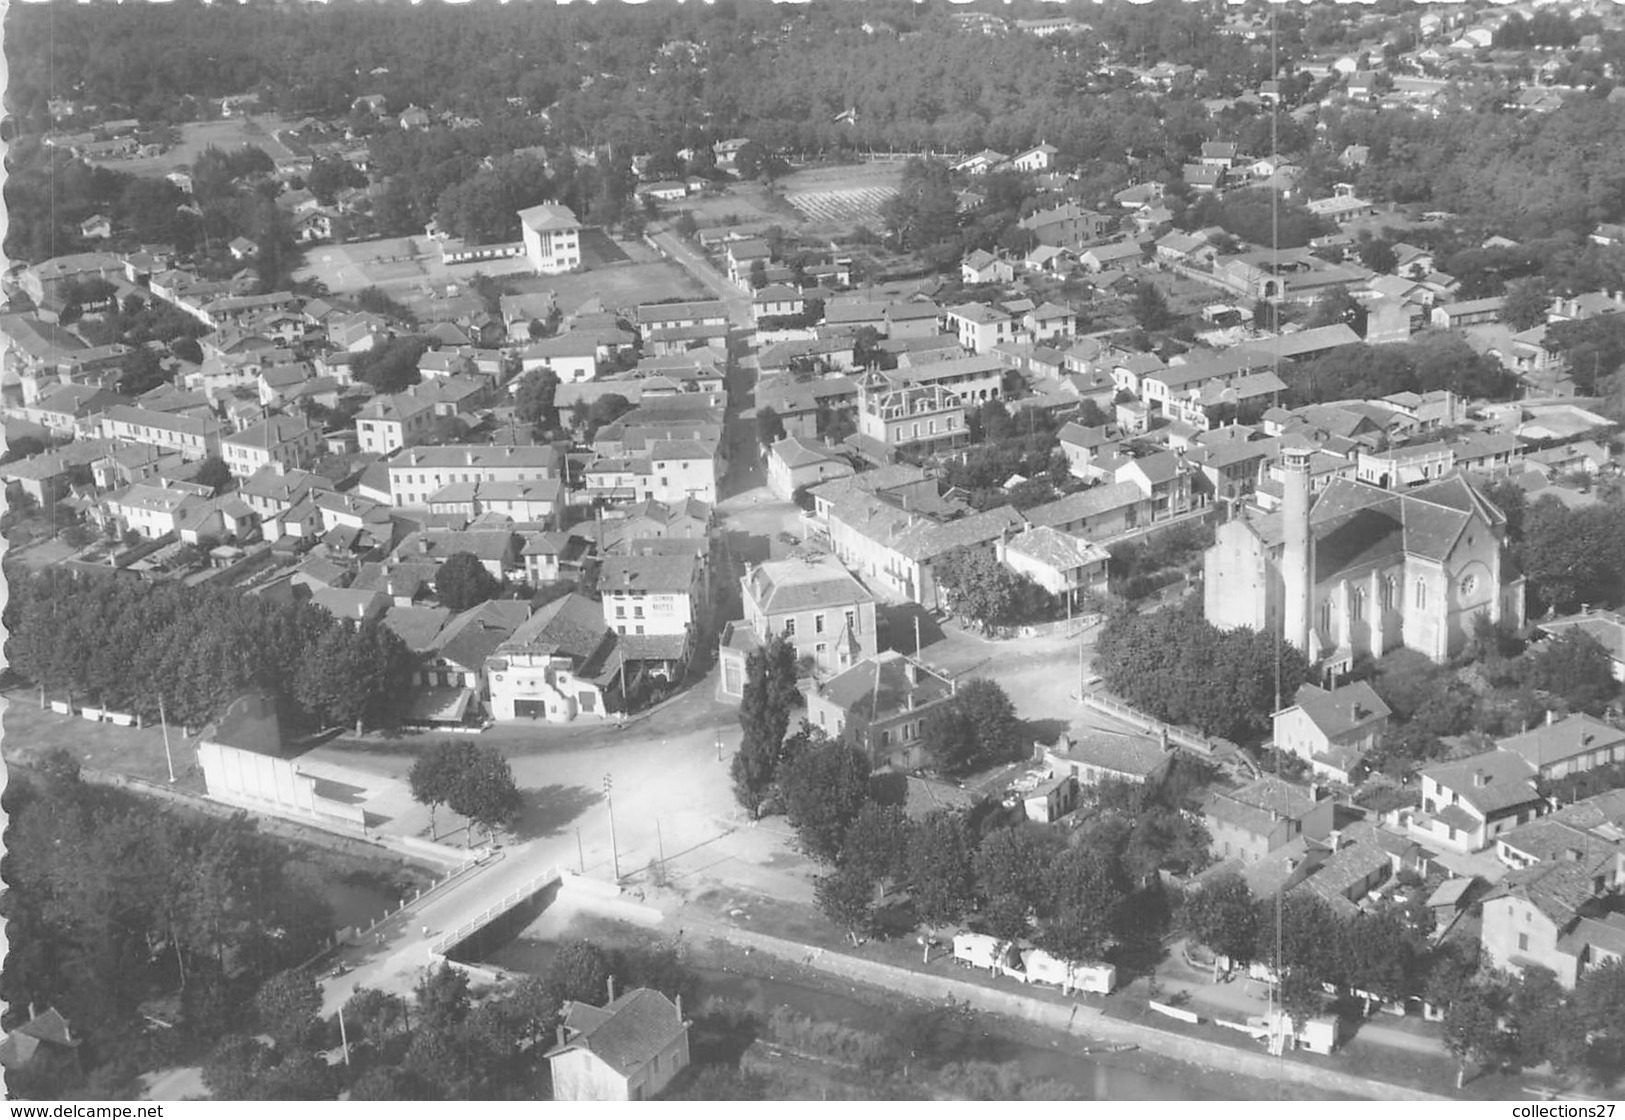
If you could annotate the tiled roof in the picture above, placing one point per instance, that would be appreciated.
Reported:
(672, 574)
(572, 626)
(1572, 736)
(782, 586)
(627, 1034)
(1558, 889)
(1122, 754)
(878, 687)
(1341, 710)
(416, 626)
(1085, 503)
(1607, 627)
(1489, 782)
(1056, 549)
(474, 635)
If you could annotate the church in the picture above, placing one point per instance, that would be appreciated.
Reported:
(1360, 570)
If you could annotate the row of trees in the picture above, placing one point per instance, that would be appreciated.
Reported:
(135, 646)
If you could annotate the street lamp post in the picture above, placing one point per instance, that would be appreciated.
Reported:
(614, 849)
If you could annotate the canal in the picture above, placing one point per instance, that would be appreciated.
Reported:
(837, 1002)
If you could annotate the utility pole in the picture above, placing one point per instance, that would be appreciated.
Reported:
(614, 849)
(344, 1037)
(581, 854)
(168, 758)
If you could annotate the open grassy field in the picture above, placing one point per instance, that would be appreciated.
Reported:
(618, 286)
(228, 134)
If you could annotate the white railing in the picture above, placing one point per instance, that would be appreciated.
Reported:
(491, 913)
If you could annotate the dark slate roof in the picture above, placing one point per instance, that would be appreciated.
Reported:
(416, 626)
(879, 687)
(669, 574)
(628, 1033)
(1085, 503)
(474, 635)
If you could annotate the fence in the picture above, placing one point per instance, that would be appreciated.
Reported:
(1201, 744)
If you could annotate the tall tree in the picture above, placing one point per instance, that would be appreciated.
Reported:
(1223, 915)
(940, 869)
(485, 792)
(846, 897)
(437, 773)
(1012, 875)
(824, 783)
(770, 695)
(463, 582)
(288, 1005)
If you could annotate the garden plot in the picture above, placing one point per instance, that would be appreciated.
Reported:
(851, 206)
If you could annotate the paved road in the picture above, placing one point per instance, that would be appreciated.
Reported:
(736, 301)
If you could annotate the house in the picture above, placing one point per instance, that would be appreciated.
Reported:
(1117, 255)
(1266, 814)
(1467, 313)
(559, 664)
(552, 237)
(793, 464)
(880, 705)
(980, 163)
(1553, 915)
(657, 597)
(628, 1050)
(1572, 745)
(496, 549)
(776, 301)
(242, 248)
(1069, 568)
(418, 473)
(288, 442)
(1096, 756)
(1607, 627)
(892, 418)
(742, 256)
(1342, 207)
(44, 1044)
(814, 602)
(982, 267)
(979, 327)
(1034, 160)
(685, 518)
(1084, 446)
(1049, 800)
(572, 358)
(1164, 479)
(1067, 226)
(537, 501)
(1098, 514)
(388, 423)
(1590, 832)
(1468, 803)
(1332, 730)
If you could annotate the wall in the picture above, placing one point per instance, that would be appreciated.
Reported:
(1508, 918)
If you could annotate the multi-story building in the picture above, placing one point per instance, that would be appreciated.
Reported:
(1332, 730)
(920, 417)
(552, 237)
(1251, 822)
(558, 665)
(194, 437)
(418, 472)
(815, 603)
(387, 424)
(881, 705)
(286, 441)
(1468, 803)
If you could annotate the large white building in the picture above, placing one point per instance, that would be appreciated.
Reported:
(1363, 570)
(552, 237)
(419, 472)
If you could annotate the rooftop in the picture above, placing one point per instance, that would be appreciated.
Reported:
(800, 584)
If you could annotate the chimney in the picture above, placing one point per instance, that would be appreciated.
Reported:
(612, 989)
(1551, 717)
(1335, 839)
(1298, 548)
(1480, 778)
(679, 1008)
(913, 672)
(561, 1034)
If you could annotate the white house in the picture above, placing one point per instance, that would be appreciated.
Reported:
(552, 237)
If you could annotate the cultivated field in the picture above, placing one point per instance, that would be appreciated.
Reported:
(228, 135)
(837, 199)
